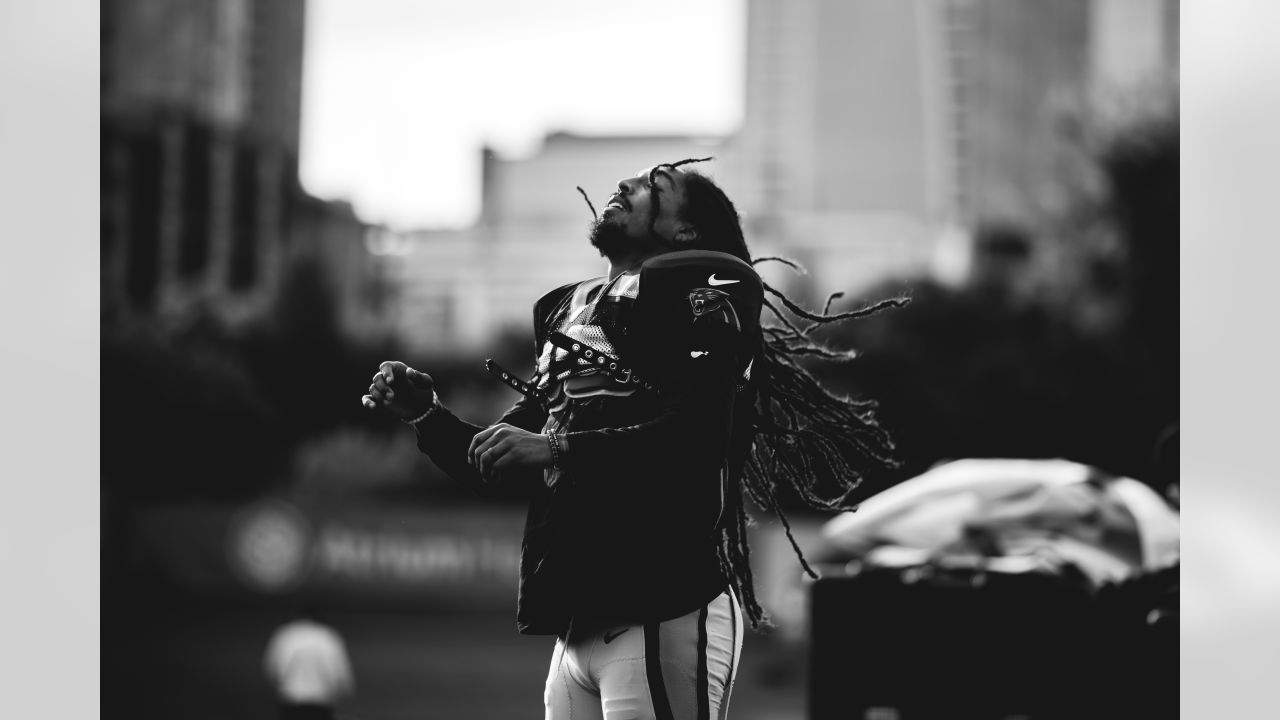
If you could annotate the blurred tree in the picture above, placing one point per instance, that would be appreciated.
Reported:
(183, 417)
(1009, 365)
(309, 370)
(215, 412)
(1141, 162)
(296, 352)
(965, 373)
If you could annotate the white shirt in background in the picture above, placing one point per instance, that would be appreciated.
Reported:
(308, 663)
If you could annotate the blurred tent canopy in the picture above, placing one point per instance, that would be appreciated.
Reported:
(1019, 513)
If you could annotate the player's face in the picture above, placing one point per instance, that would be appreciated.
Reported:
(627, 214)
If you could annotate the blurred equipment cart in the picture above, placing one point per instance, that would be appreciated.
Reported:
(999, 589)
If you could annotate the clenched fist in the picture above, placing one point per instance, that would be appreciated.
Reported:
(506, 447)
(400, 390)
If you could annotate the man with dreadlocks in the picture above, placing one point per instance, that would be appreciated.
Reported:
(658, 401)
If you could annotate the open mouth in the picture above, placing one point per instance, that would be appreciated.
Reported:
(617, 202)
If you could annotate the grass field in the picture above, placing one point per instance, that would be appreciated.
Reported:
(204, 663)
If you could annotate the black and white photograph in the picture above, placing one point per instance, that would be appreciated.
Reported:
(683, 360)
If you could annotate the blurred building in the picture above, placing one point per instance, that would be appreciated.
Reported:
(436, 276)
(840, 156)
(879, 134)
(201, 205)
(1022, 81)
(1016, 71)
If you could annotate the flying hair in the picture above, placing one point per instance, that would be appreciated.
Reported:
(655, 192)
(594, 214)
(797, 439)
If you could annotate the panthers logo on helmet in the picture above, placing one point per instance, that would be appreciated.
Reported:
(709, 302)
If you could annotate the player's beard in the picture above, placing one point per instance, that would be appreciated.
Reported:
(610, 238)
(614, 243)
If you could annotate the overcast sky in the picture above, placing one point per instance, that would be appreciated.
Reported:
(399, 95)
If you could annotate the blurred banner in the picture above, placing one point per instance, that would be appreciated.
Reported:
(272, 550)
(432, 558)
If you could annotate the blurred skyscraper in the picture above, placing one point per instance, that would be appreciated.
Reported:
(839, 154)
(201, 204)
(1029, 86)
(879, 132)
(1017, 67)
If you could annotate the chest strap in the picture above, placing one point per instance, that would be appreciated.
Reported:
(583, 355)
(587, 355)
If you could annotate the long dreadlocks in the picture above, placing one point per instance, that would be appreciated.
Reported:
(793, 434)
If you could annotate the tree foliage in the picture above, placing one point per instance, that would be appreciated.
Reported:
(983, 370)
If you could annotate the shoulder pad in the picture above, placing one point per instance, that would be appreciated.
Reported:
(706, 285)
(696, 303)
(549, 307)
(554, 297)
(702, 264)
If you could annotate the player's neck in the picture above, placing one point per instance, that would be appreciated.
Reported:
(630, 263)
(616, 269)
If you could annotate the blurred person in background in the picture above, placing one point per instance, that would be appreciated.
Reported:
(307, 664)
(658, 401)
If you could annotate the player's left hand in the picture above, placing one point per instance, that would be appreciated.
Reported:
(505, 447)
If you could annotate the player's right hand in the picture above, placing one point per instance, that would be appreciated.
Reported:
(400, 390)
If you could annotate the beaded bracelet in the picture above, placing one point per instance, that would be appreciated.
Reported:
(554, 440)
(435, 405)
